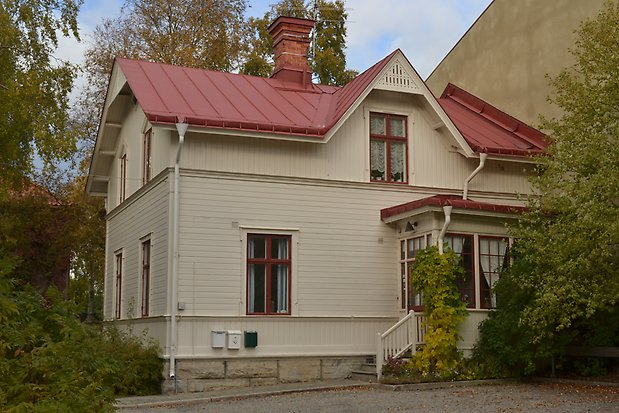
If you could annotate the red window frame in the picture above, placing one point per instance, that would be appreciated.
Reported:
(145, 293)
(483, 291)
(388, 138)
(268, 263)
(407, 261)
(123, 177)
(119, 280)
(146, 156)
(467, 293)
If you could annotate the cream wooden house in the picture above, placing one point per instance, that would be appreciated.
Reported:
(293, 210)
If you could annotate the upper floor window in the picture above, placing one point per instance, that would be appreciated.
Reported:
(388, 148)
(493, 259)
(268, 274)
(146, 156)
(122, 190)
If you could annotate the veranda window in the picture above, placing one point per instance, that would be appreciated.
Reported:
(388, 148)
(268, 274)
(409, 248)
(462, 245)
(493, 258)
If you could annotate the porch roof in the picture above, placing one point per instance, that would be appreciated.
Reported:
(455, 201)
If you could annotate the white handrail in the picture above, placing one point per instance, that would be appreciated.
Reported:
(404, 335)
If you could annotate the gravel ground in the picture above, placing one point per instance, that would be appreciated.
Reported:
(521, 398)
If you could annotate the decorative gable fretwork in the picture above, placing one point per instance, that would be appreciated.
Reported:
(398, 78)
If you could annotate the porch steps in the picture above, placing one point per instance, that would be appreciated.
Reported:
(367, 371)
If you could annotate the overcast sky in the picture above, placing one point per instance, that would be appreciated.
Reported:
(425, 30)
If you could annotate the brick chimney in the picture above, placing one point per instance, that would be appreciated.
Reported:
(291, 43)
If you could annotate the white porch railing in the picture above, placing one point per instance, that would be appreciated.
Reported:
(404, 335)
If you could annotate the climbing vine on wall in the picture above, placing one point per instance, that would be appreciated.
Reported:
(435, 276)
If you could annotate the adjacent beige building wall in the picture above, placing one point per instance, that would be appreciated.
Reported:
(506, 54)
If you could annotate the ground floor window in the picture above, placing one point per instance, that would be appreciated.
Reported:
(268, 274)
(409, 248)
(462, 245)
(145, 281)
(118, 268)
(493, 259)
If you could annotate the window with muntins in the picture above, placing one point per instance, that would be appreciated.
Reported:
(388, 148)
(118, 285)
(145, 278)
(462, 245)
(268, 274)
(122, 190)
(493, 259)
(146, 157)
(409, 248)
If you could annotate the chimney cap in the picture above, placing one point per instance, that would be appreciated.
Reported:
(291, 20)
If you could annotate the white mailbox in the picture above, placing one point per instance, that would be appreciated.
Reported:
(234, 339)
(218, 338)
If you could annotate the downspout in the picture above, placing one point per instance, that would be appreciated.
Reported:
(482, 161)
(441, 235)
(181, 128)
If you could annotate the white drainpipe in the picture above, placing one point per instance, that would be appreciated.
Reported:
(482, 161)
(441, 235)
(181, 128)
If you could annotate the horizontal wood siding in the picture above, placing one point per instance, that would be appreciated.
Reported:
(432, 155)
(147, 214)
(347, 257)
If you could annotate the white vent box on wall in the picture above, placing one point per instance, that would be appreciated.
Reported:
(234, 339)
(218, 338)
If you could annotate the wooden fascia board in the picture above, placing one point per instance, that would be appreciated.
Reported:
(118, 80)
(455, 211)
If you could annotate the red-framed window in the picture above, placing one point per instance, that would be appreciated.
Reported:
(268, 274)
(409, 248)
(388, 148)
(146, 156)
(119, 284)
(123, 177)
(145, 278)
(493, 259)
(462, 245)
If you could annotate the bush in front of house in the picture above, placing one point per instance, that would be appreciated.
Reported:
(435, 276)
(51, 362)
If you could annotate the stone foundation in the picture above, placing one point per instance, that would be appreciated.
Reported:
(198, 375)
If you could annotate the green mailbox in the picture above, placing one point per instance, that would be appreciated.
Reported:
(251, 339)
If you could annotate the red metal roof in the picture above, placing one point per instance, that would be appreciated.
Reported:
(225, 100)
(486, 128)
(448, 200)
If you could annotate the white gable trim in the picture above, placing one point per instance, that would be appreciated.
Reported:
(399, 78)
(401, 62)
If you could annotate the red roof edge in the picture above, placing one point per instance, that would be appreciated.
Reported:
(449, 200)
(499, 118)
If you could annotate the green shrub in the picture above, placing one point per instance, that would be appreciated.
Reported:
(51, 362)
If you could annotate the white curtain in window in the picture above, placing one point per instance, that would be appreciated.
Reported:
(378, 158)
(282, 276)
(397, 127)
(377, 125)
(457, 243)
(397, 161)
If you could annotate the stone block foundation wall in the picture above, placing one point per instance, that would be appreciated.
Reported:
(198, 375)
